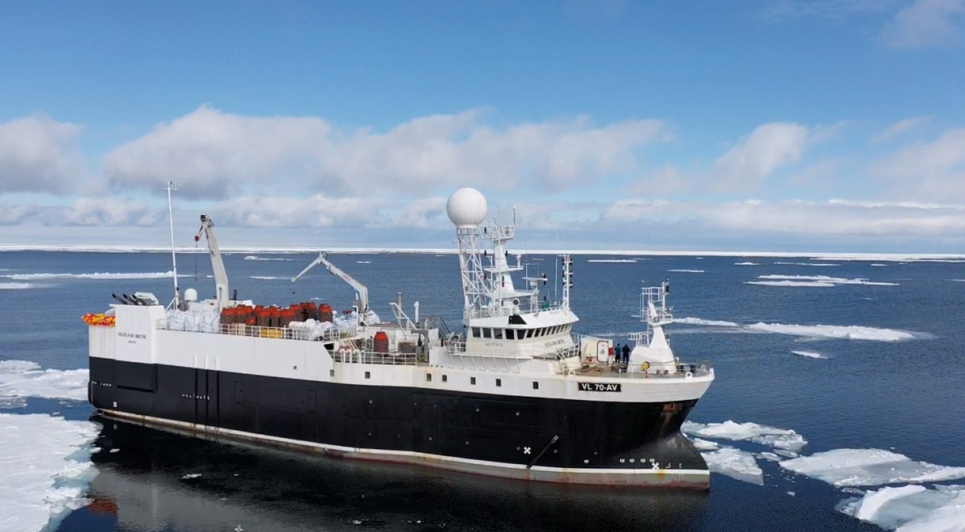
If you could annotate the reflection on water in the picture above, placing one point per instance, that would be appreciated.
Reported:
(151, 484)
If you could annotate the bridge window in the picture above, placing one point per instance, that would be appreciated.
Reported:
(487, 333)
(475, 332)
(510, 334)
(498, 334)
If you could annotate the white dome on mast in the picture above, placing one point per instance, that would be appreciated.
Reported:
(466, 207)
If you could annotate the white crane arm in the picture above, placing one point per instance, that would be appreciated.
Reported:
(217, 265)
(360, 289)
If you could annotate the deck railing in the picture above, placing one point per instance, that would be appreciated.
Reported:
(240, 329)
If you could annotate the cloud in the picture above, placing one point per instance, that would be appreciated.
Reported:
(838, 218)
(926, 23)
(111, 211)
(38, 154)
(663, 180)
(902, 126)
(11, 214)
(828, 9)
(768, 148)
(217, 155)
(926, 170)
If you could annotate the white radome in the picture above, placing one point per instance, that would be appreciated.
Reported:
(466, 207)
(190, 294)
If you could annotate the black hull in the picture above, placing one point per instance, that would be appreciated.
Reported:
(567, 440)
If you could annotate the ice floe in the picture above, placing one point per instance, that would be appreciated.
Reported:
(911, 508)
(15, 286)
(617, 261)
(35, 276)
(686, 271)
(20, 378)
(827, 280)
(268, 278)
(869, 467)
(43, 469)
(809, 354)
(847, 332)
(255, 257)
(709, 323)
(762, 434)
(704, 445)
(747, 264)
(806, 284)
(735, 464)
(818, 264)
(879, 264)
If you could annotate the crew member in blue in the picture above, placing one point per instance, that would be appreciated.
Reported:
(626, 354)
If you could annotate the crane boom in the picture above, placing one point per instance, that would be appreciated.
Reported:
(217, 265)
(360, 289)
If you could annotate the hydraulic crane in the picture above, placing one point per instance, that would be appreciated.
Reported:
(361, 292)
(217, 265)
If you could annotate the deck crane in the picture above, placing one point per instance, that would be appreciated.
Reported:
(217, 265)
(361, 291)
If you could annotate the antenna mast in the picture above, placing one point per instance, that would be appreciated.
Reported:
(174, 259)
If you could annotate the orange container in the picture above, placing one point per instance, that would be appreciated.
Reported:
(380, 344)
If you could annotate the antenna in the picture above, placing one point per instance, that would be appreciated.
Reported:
(174, 259)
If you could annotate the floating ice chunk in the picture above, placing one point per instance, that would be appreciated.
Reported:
(747, 264)
(809, 354)
(769, 456)
(615, 261)
(255, 257)
(17, 366)
(850, 332)
(15, 286)
(868, 506)
(10, 403)
(268, 278)
(911, 508)
(735, 464)
(41, 472)
(823, 279)
(20, 378)
(819, 264)
(709, 323)
(189, 476)
(878, 264)
(704, 445)
(800, 284)
(686, 271)
(869, 467)
(763, 434)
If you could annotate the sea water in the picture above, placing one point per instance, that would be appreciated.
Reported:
(839, 402)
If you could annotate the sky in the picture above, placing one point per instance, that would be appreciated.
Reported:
(745, 125)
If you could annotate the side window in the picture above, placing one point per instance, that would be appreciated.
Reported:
(510, 334)
(498, 334)
(475, 332)
(487, 333)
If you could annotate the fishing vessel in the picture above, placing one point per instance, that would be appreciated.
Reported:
(515, 393)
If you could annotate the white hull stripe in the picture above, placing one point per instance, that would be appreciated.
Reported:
(696, 478)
